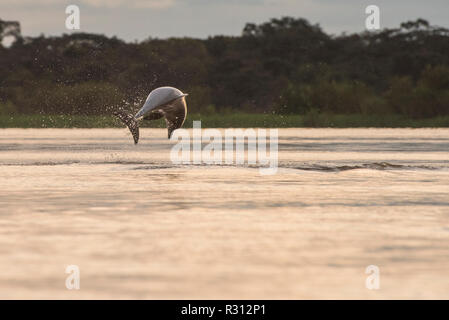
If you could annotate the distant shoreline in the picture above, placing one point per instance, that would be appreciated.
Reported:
(239, 120)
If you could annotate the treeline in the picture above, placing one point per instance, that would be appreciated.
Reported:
(286, 66)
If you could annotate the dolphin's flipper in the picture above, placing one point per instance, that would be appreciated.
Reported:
(131, 123)
(154, 115)
(175, 114)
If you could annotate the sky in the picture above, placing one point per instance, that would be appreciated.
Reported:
(139, 19)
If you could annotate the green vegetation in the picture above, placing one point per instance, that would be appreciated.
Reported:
(285, 72)
(239, 120)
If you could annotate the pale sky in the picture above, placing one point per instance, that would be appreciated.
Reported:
(139, 19)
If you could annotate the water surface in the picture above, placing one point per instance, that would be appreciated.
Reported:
(140, 227)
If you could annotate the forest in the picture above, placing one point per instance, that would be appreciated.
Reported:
(285, 66)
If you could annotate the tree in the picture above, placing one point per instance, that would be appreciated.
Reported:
(9, 29)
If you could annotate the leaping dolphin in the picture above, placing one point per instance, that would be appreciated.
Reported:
(167, 102)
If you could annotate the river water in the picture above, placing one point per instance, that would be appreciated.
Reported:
(138, 226)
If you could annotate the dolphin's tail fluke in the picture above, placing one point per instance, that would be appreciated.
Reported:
(130, 122)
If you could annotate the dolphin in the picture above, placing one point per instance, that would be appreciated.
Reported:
(166, 102)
